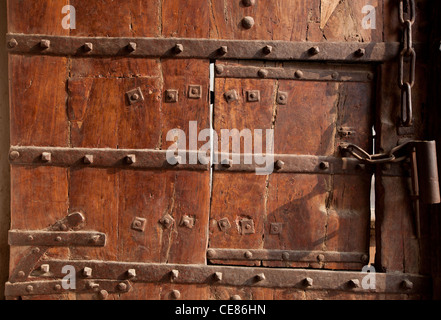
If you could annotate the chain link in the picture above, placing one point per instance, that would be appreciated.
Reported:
(407, 16)
(393, 156)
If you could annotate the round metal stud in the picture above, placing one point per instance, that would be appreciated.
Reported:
(407, 285)
(219, 69)
(29, 289)
(248, 22)
(122, 286)
(248, 255)
(12, 43)
(285, 256)
(267, 50)
(262, 73)
(308, 282)
(298, 74)
(354, 283)
(14, 155)
(235, 297)
(103, 295)
(279, 165)
(248, 3)
(211, 253)
(335, 75)
(314, 50)
(57, 287)
(321, 258)
(175, 295)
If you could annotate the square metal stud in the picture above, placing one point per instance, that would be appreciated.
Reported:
(139, 224)
(253, 95)
(187, 222)
(276, 228)
(167, 221)
(282, 97)
(134, 96)
(194, 92)
(171, 96)
(247, 226)
(231, 96)
(224, 224)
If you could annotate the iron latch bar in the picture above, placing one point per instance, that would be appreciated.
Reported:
(57, 238)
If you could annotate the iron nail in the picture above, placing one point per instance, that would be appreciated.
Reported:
(175, 294)
(219, 69)
(279, 164)
(308, 282)
(262, 73)
(29, 288)
(370, 76)
(103, 294)
(335, 75)
(30, 238)
(174, 274)
(21, 274)
(354, 283)
(36, 250)
(248, 254)
(63, 227)
(298, 74)
(87, 272)
(260, 277)
(57, 287)
(58, 239)
(96, 238)
(218, 276)
(314, 50)
(45, 44)
(324, 165)
(321, 257)
(267, 50)
(131, 273)
(88, 47)
(122, 286)
(248, 3)
(46, 157)
(235, 297)
(360, 52)
(12, 43)
(45, 268)
(14, 155)
(211, 253)
(248, 22)
(88, 159)
(92, 285)
(131, 47)
(223, 50)
(406, 284)
(130, 159)
(285, 256)
(227, 163)
(179, 48)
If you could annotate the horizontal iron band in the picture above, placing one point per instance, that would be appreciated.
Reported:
(200, 48)
(287, 255)
(84, 157)
(56, 238)
(301, 72)
(241, 276)
(51, 287)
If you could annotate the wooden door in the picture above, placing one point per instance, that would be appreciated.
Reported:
(96, 109)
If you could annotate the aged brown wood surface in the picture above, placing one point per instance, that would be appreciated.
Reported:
(82, 103)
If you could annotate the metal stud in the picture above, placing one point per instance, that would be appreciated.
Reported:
(247, 226)
(279, 165)
(217, 276)
(354, 283)
(121, 286)
(267, 50)
(335, 75)
(36, 250)
(134, 96)
(171, 95)
(248, 22)
(276, 228)
(262, 73)
(103, 295)
(167, 221)
(131, 273)
(88, 47)
(194, 92)
(179, 48)
(407, 285)
(224, 224)
(282, 98)
(87, 272)
(260, 277)
(248, 3)
(321, 258)
(211, 253)
(45, 44)
(139, 224)
(223, 50)
(57, 287)
(21, 274)
(88, 159)
(324, 165)
(130, 159)
(360, 52)
(29, 289)
(187, 222)
(46, 157)
(235, 297)
(253, 96)
(175, 295)
(308, 282)
(131, 47)
(219, 69)
(14, 155)
(231, 96)
(44, 268)
(285, 256)
(248, 254)
(174, 274)
(298, 74)
(12, 43)
(227, 163)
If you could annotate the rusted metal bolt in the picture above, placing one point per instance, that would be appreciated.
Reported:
(12, 43)
(267, 49)
(354, 283)
(103, 295)
(248, 255)
(134, 97)
(87, 272)
(36, 250)
(122, 286)
(308, 282)
(131, 273)
(88, 47)
(29, 289)
(63, 227)
(260, 277)
(298, 74)
(30, 238)
(95, 239)
(370, 76)
(57, 287)
(211, 253)
(92, 285)
(131, 47)
(223, 50)
(44, 268)
(174, 274)
(279, 165)
(321, 258)
(21, 274)
(45, 44)
(58, 239)
(219, 69)
(360, 52)
(46, 157)
(324, 165)
(248, 3)
(175, 294)
(14, 155)
(285, 256)
(130, 159)
(227, 163)
(248, 22)
(217, 276)
(235, 297)
(179, 48)
(88, 159)
(262, 73)
(314, 50)
(406, 284)
(335, 75)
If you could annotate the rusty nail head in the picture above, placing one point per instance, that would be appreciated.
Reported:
(92, 285)
(139, 224)
(131, 273)
(285, 256)
(282, 98)
(195, 92)
(227, 163)
(247, 226)
(122, 286)
(321, 257)
(235, 297)
(211, 253)
(360, 52)
(88, 159)
(218, 276)
(30, 238)
(45, 44)
(279, 165)
(87, 272)
(219, 69)
(167, 221)
(174, 274)
(248, 255)
(231, 96)
(248, 3)
(188, 222)
(14, 155)
(96, 238)
(223, 50)
(46, 157)
(45, 268)
(103, 294)
(57, 287)
(262, 73)
(29, 288)
(171, 95)
(260, 277)
(224, 224)
(253, 95)
(276, 228)
(335, 75)
(267, 49)
(308, 282)
(88, 47)
(21, 274)
(324, 165)
(354, 283)
(12, 43)
(314, 50)
(175, 294)
(131, 47)
(406, 284)
(179, 48)
(36, 250)
(63, 227)
(130, 159)
(370, 76)
(298, 74)
(248, 22)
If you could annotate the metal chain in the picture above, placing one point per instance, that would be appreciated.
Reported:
(407, 53)
(391, 157)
